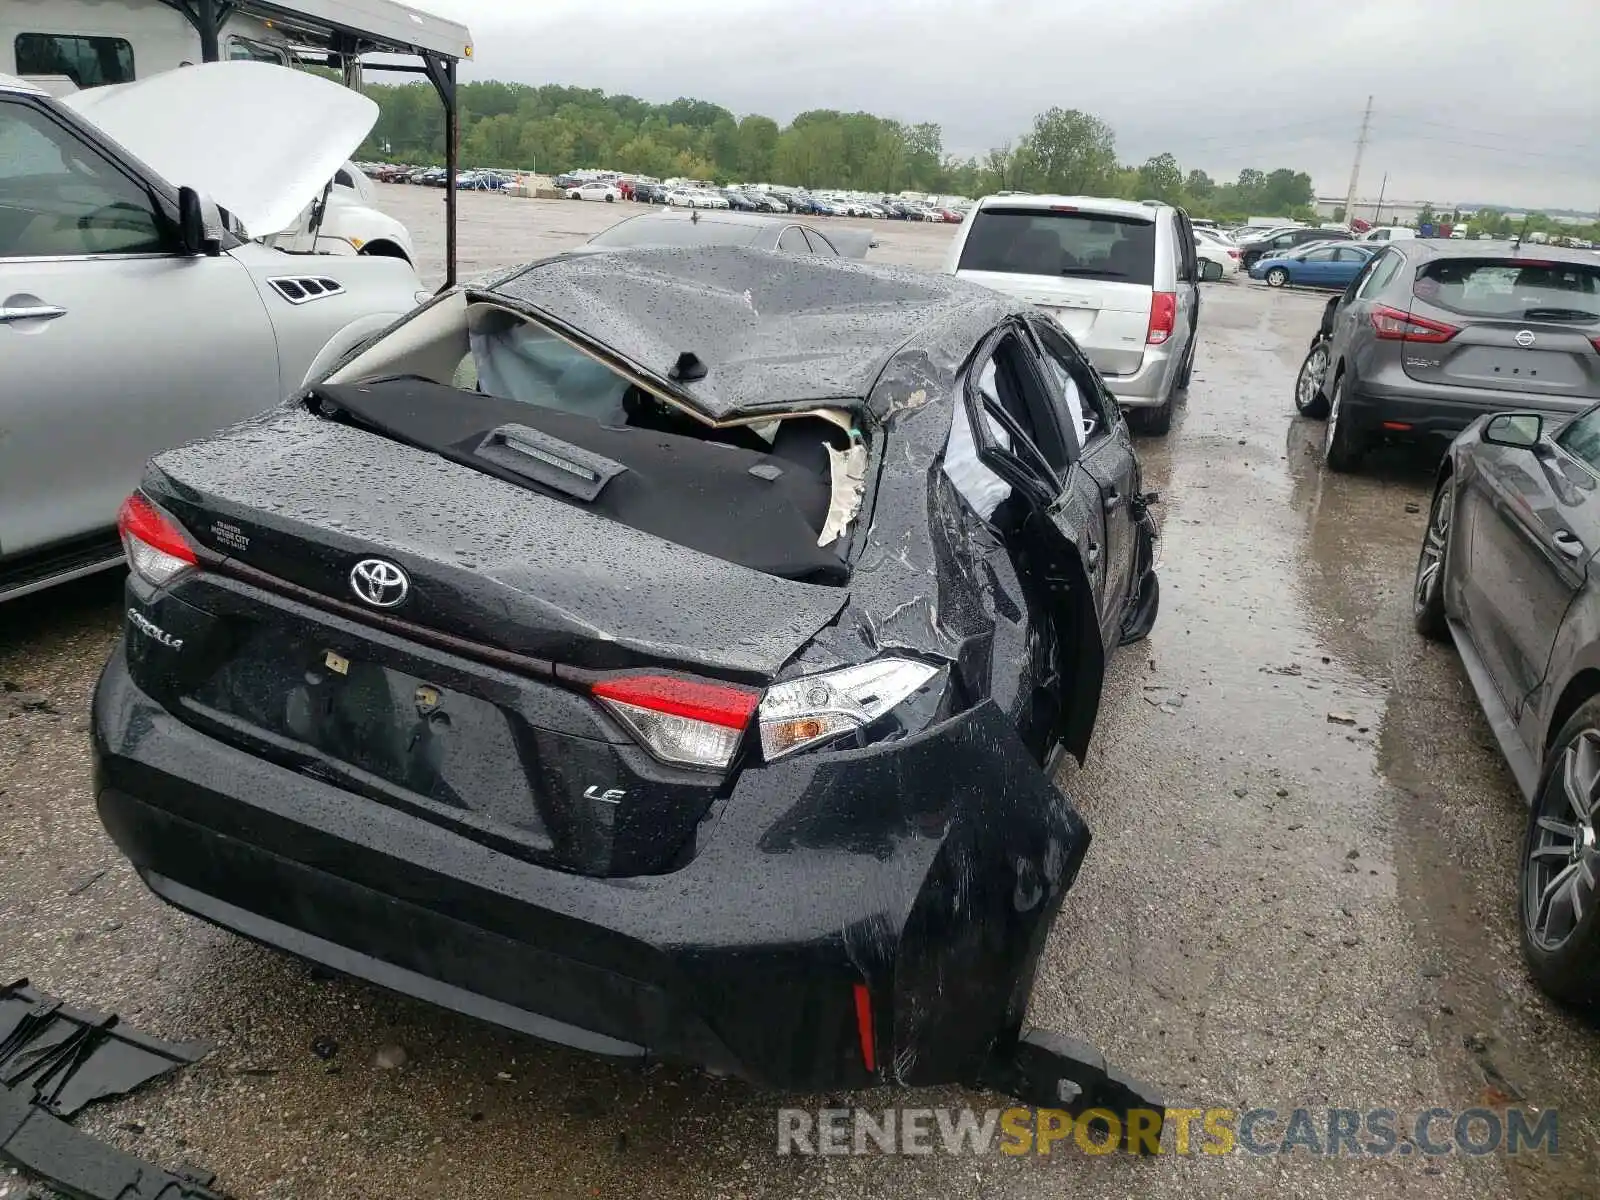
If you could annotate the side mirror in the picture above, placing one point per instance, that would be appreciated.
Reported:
(192, 225)
(1520, 431)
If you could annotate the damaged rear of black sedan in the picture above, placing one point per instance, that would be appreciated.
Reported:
(663, 653)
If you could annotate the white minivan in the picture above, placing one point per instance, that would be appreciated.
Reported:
(1121, 277)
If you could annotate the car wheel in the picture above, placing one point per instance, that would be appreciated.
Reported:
(1557, 897)
(609, 199)
(1340, 450)
(1308, 398)
(1277, 277)
(1427, 594)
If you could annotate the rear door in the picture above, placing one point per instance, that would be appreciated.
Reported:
(1088, 411)
(1188, 260)
(1535, 525)
(1351, 320)
(1522, 325)
(1094, 272)
(113, 346)
(1315, 267)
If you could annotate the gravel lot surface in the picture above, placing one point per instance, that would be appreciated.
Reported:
(1279, 909)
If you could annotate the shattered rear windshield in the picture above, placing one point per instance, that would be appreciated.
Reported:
(1038, 241)
(1513, 288)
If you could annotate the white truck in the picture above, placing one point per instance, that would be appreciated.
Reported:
(63, 46)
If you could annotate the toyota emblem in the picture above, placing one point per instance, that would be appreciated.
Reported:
(1524, 338)
(379, 582)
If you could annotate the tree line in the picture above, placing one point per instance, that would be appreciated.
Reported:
(551, 129)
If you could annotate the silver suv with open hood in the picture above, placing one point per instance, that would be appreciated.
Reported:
(135, 315)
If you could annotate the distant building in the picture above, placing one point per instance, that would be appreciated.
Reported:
(1392, 212)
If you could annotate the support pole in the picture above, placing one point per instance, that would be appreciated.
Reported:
(442, 73)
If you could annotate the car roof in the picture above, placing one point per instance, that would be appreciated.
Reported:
(1088, 204)
(10, 83)
(1461, 248)
(771, 330)
(716, 216)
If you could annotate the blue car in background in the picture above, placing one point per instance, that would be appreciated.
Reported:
(1318, 264)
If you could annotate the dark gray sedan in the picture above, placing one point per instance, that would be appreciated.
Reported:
(1508, 572)
(1434, 334)
(676, 227)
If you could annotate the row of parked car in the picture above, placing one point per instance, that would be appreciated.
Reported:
(751, 199)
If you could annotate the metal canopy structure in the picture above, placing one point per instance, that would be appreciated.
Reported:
(346, 30)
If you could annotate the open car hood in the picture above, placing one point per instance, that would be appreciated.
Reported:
(202, 127)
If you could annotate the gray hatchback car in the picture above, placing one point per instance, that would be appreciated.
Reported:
(1434, 334)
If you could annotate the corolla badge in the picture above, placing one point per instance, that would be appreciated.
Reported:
(1524, 338)
(379, 582)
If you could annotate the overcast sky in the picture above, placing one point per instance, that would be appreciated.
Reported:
(1474, 100)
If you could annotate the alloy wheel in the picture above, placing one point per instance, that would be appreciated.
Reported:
(1332, 426)
(1430, 563)
(1277, 277)
(1563, 859)
(1312, 372)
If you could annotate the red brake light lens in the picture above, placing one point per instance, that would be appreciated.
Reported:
(1595, 342)
(1392, 325)
(691, 722)
(157, 550)
(1163, 317)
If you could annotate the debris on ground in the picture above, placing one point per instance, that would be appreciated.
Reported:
(1339, 718)
(54, 1060)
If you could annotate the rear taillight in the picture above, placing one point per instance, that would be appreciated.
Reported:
(157, 550)
(1595, 342)
(1233, 254)
(691, 722)
(1163, 317)
(1392, 325)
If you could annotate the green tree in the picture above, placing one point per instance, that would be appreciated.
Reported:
(1072, 152)
(758, 139)
(1161, 179)
(1199, 186)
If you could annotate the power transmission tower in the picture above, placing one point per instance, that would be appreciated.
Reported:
(1355, 168)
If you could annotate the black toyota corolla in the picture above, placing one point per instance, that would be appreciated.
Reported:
(664, 653)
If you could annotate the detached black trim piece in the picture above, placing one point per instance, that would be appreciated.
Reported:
(53, 1061)
(72, 1162)
(66, 1058)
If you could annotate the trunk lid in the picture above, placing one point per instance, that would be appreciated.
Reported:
(1522, 326)
(304, 499)
(469, 703)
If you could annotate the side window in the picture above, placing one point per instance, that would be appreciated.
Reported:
(1284, 240)
(1381, 236)
(793, 240)
(1581, 439)
(1081, 396)
(820, 244)
(1324, 255)
(87, 61)
(243, 48)
(60, 197)
(1024, 395)
(1183, 245)
(1379, 274)
(1345, 254)
(342, 177)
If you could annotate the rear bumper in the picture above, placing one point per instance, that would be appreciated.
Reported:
(1148, 386)
(929, 870)
(1406, 409)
